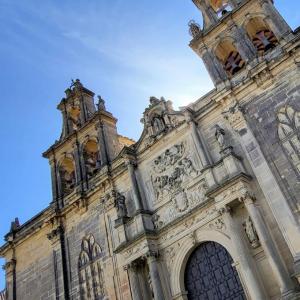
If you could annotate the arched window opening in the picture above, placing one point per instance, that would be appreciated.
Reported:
(67, 176)
(221, 7)
(74, 117)
(90, 271)
(289, 134)
(91, 158)
(262, 37)
(230, 57)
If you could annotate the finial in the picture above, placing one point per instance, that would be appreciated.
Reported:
(76, 83)
(15, 225)
(153, 100)
(101, 103)
(195, 28)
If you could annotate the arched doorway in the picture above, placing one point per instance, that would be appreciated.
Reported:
(209, 275)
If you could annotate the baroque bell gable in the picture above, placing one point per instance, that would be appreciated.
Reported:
(205, 205)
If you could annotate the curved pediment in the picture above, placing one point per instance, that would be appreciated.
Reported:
(159, 118)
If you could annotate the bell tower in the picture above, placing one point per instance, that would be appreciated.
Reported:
(88, 144)
(236, 36)
(76, 108)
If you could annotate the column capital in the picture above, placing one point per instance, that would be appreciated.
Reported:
(134, 265)
(152, 255)
(54, 235)
(226, 209)
(10, 266)
(235, 116)
(247, 196)
(130, 163)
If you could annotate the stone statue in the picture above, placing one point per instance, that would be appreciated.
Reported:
(158, 124)
(91, 162)
(120, 205)
(101, 104)
(188, 167)
(251, 233)
(220, 136)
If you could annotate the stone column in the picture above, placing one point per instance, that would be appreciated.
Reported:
(134, 184)
(156, 281)
(247, 263)
(103, 149)
(274, 19)
(266, 180)
(213, 66)
(134, 281)
(242, 43)
(275, 261)
(54, 180)
(10, 275)
(200, 146)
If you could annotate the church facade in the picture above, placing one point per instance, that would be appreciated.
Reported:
(205, 205)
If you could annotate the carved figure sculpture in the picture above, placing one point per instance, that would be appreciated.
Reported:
(188, 167)
(158, 124)
(91, 162)
(120, 205)
(251, 233)
(220, 136)
(67, 180)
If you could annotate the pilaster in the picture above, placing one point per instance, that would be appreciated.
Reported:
(248, 267)
(273, 194)
(287, 286)
(135, 189)
(156, 280)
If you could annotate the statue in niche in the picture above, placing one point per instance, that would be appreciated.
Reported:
(91, 162)
(120, 205)
(67, 180)
(251, 233)
(220, 136)
(158, 124)
(74, 117)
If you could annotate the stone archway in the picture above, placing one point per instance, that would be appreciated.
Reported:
(209, 274)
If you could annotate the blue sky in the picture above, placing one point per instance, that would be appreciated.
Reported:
(125, 51)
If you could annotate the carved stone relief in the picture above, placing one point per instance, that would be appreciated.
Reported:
(90, 271)
(289, 134)
(170, 171)
(181, 203)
